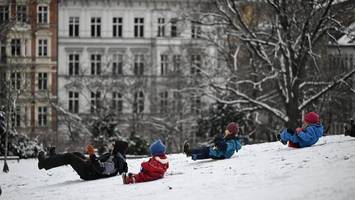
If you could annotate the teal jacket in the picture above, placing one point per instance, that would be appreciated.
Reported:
(225, 148)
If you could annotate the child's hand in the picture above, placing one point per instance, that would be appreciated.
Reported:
(299, 129)
(90, 149)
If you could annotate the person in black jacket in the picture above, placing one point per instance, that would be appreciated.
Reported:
(352, 128)
(107, 165)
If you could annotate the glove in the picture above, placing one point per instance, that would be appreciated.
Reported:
(299, 129)
(291, 131)
(221, 145)
(217, 139)
(90, 150)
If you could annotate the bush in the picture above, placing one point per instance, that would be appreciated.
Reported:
(137, 145)
(20, 145)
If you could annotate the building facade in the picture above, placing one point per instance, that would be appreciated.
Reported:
(28, 62)
(131, 59)
(341, 57)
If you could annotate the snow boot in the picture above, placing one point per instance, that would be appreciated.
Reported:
(124, 178)
(187, 149)
(41, 157)
(278, 136)
(128, 179)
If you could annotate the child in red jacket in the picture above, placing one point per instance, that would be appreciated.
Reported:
(153, 169)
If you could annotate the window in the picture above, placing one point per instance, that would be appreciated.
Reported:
(42, 14)
(16, 80)
(117, 26)
(195, 64)
(42, 47)
(4, 14)
(117, 103)
(95, 101)
(21, 13)
(16, 117)
(138, 103)
(95, 64)
(42, 116)
(195, 30)
(95, 27)
(138, 65)
(195, 104)
(138, 27)
(164, 63)
(163, 101)
(73, 64)
(161, 27)
(117, 65)
(42, 81)
(73, 102)
(73, 26)
(16, 47)
(174, 30)
(2, 51)
(177, 63)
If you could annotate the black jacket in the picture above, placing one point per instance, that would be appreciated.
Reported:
(108, 165)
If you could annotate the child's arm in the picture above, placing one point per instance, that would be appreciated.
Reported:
(286, 136)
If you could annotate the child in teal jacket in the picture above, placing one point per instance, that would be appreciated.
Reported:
(223, 148)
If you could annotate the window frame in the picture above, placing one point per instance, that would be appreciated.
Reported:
(96, 24)
(138, 27)
(117, 27)
(43, 15)
(74, 26)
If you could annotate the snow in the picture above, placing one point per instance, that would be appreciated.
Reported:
(263, 171)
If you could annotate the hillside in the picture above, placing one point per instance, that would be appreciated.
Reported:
(262, 171)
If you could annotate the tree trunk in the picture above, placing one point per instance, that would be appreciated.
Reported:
(294, 114)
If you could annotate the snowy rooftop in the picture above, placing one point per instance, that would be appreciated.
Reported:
(264, 171)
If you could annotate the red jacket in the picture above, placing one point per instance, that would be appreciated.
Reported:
(153, 169)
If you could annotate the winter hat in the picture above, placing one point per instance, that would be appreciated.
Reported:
(120, 146)
(311, 118)
(233, 128)
(157, 148)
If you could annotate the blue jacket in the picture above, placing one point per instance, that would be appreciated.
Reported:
(231, 145)
(305, 138)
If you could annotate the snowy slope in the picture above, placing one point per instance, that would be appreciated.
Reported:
(263, 171)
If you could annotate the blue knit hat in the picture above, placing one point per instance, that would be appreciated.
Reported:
(157, 148)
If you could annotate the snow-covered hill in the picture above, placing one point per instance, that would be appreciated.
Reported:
(263, 171)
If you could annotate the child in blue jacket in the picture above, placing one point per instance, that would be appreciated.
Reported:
(304, 136)
(224, 147)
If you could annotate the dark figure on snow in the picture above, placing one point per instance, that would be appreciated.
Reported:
(352, 128)
(222, 148)
(346, 130)
(304, 136)
(107, 165)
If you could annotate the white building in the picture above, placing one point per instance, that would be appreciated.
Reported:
(341, 57)
(130, 56)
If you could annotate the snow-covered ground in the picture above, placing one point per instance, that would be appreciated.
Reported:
(263, 171)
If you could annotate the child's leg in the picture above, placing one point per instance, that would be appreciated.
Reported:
(200, 153)
(138, 178)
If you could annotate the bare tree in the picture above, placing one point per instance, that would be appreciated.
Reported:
(272, 52)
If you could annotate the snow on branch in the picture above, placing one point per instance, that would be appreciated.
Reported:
(326, 89)
(267, 107)
(311, 83)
